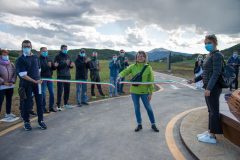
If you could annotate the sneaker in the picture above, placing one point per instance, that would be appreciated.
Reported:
(154, 128)
(27, 126)
(94, 97)
(79, 105)
(139, 127)
(202, 134)
(46, 111)
(85, 103)
(59, 108)
(67, 106)
(42, 125)
(207, 139)
(10, 115)
(52, 110)
(32, 113)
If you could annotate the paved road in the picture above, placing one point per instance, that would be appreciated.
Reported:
(104, 130)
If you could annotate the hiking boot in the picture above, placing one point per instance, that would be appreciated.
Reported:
(85, 103)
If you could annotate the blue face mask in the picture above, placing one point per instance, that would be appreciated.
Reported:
(114, 59)
(82, 54)
(5, 58)
(235, 55)
(45, 54)
(209, 47)
(65, 51)
(26, 51)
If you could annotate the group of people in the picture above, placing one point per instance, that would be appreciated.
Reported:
(31, 69)
(233, 61)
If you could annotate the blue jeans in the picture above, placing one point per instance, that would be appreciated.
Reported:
(120, 86)
(81, 93)
(147, 105)
(49, 85)
(113, 91)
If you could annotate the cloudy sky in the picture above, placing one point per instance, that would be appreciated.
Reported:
(178, 25)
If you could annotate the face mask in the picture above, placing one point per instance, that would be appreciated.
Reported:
(209, 47)
(122, 54)
(5, 58)
(82, 54)
(26, 51)
(65, 51)
(114, 59)
(235, 55)
(45, 54)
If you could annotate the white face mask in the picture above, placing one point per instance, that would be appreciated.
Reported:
(5, 58)
(235, 55)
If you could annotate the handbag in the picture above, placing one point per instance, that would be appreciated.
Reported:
(138, 77)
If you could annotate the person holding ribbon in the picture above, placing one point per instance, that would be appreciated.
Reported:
(7, 81)
(28, 69)
(63, 65)
(47, 67)
(141, 72)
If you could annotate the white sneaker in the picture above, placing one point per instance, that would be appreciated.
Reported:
(10, 115)
(67, 106)
(202, 134)
(207, 139)
(59, 108)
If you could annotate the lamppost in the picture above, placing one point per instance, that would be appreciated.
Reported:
(169, 62)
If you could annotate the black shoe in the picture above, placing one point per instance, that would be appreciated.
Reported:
(85, 103)
(32, 113)
(52, 110)
(79, 105)
(46, 111)
(27, 126)
(42, 125)
(155, 128)
(139, 127)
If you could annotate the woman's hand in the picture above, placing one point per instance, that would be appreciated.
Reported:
(191, 81)
(149, 97)
(207, 93)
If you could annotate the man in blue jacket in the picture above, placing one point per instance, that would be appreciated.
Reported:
(234, 61)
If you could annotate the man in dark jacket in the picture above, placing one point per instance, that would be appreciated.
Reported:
(82, 66)
(63, 64)
(28, 69)
(121, 60)
(47, 67)
(94, 75)
(234, 61)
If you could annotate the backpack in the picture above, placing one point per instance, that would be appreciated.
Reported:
(138, 77)
(227, 76)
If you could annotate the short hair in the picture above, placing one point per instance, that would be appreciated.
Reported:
(26, 41)
(63, 45)
(82, 50)
(144, 55)
(42, 48)
(212, 37)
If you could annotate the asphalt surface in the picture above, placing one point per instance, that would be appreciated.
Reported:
(105, 130)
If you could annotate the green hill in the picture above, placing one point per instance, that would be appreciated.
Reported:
(229, 51)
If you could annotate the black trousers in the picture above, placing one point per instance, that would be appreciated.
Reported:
(28, 102)
(235, 82)
(96, 78)
(8, 93)
(214, 123)
(63, 87)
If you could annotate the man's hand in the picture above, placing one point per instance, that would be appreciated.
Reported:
(56, 64)
(38, 82)
(8, 84)
(49, 64)
(149, 97)
(207, 93)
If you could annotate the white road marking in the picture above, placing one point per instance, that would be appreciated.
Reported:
(174, 87)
